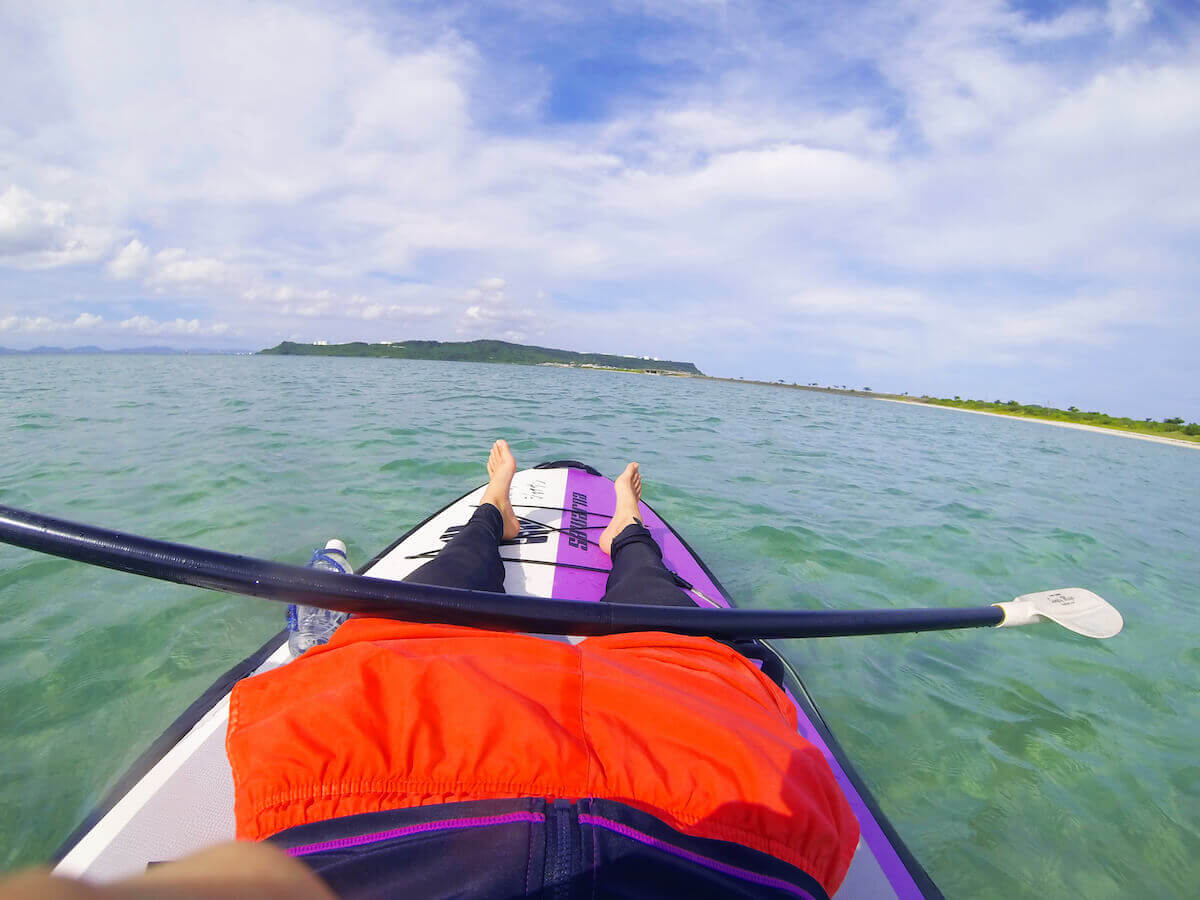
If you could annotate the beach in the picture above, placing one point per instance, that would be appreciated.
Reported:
(1076, 425)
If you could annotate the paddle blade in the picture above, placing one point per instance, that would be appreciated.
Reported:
(1076, 609)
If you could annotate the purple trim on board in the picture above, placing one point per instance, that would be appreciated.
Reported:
(444, 825)
(706, 861)
(587, 497)
(881, 848)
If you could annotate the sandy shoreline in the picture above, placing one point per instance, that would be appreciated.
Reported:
(1081, 427)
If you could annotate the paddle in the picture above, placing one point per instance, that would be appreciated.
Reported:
(1079, 610)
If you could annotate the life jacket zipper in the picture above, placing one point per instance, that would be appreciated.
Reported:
(562, 853)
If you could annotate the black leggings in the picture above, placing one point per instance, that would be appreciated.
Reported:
(471, 559)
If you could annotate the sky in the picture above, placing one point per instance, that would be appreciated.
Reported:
(986, 199)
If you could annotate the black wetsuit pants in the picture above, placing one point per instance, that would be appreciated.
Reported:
(471, 559)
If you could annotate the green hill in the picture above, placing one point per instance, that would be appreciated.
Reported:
(484, 351)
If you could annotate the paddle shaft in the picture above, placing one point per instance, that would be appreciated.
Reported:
(366, 596)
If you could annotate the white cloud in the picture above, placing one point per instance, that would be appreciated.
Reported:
(488, 290)
(489, 312)
(176, 266)
(778, 176)
(1071, 23)
(286, 294)
(87, 320)
(131, 261)
(92, 323)
(292, 300)
(145, 325)
(398, 311)
(37, 233)
(172, 266)
(1088, 184)
(29, 324)
(882, 328)
(679, 136)
(27, 223)
(1124, 16)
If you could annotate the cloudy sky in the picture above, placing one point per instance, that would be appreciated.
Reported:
(982, 198)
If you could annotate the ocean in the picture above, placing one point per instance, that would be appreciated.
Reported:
(1024, 762)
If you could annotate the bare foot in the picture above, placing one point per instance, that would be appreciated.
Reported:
(501, 467)
(629, 492)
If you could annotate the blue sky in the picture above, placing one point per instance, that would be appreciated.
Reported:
(988, 199)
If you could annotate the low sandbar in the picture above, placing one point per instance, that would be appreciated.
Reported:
(1078, 425)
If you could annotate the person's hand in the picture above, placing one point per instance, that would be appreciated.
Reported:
(234, 870)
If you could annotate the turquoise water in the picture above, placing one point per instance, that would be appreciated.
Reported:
(1015, 763)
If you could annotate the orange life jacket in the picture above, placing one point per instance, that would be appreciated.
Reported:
(391, 714)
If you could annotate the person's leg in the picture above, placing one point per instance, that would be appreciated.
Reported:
(471, 559)
(638, 574)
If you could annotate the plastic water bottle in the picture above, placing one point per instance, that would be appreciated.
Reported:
(311, 625)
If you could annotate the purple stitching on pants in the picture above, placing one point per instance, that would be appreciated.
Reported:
(445, 825)
(650, 841)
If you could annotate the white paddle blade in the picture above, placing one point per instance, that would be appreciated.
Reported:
(1076, 609)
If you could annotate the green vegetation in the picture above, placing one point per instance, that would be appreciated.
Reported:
(486, 351)
(1172, 428)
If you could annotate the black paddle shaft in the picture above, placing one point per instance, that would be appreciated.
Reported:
(366, 596)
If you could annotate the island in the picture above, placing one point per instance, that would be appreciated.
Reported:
(489, 352)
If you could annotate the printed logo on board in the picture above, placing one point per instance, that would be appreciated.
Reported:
(534, 490)
(577, 536)
(530, 533)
